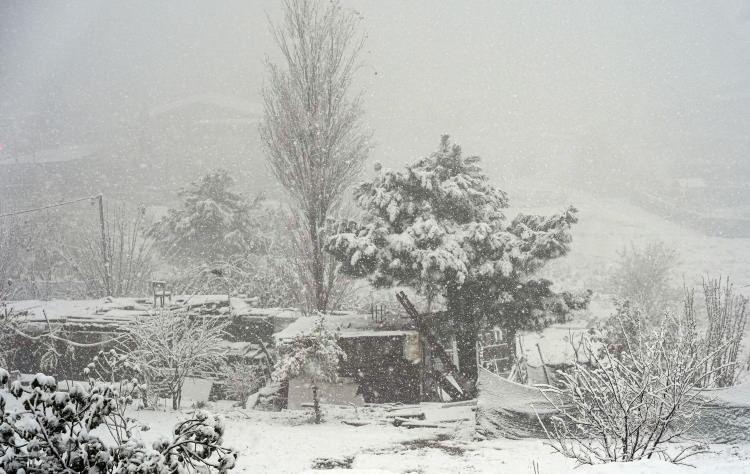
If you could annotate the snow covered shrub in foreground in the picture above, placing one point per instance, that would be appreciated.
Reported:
(168, 346)
(7, 320)
(628, 406)
(45, 430)
(315, 356)
(114, 370)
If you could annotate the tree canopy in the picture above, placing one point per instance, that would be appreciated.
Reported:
(440, 227)
(312, 128)
(212, 223)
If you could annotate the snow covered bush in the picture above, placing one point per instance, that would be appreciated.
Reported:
(726, 315)
(242, 380)
(625, 324)
(111, 368)
(32, 263)
(270, 277)
(45, 430)
(630, 405)
(212, 224)
(314, 356)
(643, 276)
(439, 226)
(7, 320)
(168, 346)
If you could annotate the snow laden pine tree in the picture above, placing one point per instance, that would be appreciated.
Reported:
(314, 356)
(439, 226)
(212, 224)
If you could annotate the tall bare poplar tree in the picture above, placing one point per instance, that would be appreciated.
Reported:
(312, 127)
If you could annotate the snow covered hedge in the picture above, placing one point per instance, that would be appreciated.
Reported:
(43, 429)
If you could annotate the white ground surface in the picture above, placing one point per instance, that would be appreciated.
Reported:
(287, 443)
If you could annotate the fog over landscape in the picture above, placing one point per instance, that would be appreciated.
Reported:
(585, 94)
(376, 236)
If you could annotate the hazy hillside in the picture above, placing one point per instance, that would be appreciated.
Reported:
(145, 161)
(606, 225)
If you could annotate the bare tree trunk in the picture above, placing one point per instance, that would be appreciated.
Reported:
(318, 272)
(316, 403)
(312, 131)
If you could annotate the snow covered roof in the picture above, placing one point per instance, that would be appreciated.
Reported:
(348, 325)
(126, 310)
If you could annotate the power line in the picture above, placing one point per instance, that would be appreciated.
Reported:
(51, 206)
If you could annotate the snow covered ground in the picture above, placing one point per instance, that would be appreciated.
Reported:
(606, 225)
(286, 442)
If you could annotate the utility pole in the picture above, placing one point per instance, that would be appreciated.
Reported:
(105, 257)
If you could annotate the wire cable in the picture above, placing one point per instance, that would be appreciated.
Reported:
(51, 206)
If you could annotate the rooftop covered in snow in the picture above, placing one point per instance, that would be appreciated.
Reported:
(125, 310)
(349, 325)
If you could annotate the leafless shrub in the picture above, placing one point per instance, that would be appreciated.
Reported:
(129, 259)
(629, 407)
(32, 265)
(243, 379)
(726, 317)
(270, 278)
(643, 277)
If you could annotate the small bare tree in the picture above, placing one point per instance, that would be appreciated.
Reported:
(312, 129)
(169, 346)
(626, 408)
(129, 255)
(243, 379)
(726, 317)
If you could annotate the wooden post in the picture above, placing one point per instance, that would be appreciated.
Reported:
(544, 366)
(105, 257)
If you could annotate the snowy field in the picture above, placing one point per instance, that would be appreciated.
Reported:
(286, 442)
(606, 225)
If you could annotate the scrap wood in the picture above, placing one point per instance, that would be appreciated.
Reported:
(409, 423)
(419, 415)
(312, 405)
(464, 403)
(455, 420)
(403, 407)
(356, 422)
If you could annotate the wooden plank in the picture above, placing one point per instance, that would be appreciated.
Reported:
(464, 403)
(417, 415)
(356, 422)
(418, 424)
